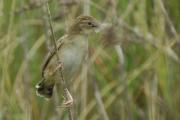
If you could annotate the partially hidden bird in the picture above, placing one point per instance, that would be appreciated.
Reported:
(72, 50)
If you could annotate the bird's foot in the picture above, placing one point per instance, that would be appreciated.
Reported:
(59, 65)
(69, 102)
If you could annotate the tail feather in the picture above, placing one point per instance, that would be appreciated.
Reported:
(44, 90)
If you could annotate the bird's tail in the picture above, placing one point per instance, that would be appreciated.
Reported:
(44, 90)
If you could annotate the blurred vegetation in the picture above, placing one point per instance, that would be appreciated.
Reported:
(134, 62)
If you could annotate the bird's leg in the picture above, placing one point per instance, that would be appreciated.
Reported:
(59, 66)
(69, 100)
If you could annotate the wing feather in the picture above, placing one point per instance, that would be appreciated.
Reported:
(49, 57)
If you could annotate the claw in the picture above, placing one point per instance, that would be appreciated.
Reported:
(59, 66)
(70, 100)
(68, 103)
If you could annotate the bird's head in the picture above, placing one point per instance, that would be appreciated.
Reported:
(84, 25)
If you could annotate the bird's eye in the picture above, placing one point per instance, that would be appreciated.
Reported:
(89, 23)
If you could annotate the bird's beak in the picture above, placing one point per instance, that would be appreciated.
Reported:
(102, 26)
(97, 25)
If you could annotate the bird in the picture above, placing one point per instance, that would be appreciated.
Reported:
(72, 50)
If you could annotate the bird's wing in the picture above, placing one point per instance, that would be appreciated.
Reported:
(50, 55)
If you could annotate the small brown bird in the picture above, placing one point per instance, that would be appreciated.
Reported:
(72, 49)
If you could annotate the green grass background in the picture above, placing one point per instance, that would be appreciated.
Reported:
(134, 63)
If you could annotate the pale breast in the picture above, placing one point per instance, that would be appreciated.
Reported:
(72, 55)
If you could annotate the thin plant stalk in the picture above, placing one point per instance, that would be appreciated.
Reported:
(58, 60)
